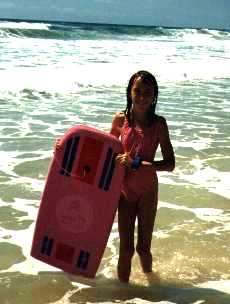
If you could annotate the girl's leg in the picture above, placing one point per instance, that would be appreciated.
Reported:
(147, 208)
(126, 227)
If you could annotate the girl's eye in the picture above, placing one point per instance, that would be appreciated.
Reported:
(137, 92)
(145, 94)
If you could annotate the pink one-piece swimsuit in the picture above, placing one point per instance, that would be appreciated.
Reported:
(143, 143)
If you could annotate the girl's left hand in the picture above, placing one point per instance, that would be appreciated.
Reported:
(124, 159)
(57, 143)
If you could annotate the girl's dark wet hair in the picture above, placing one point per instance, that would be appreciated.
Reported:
(150, 80)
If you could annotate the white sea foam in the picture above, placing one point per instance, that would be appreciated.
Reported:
(209, 178)
(222, 285)
(23, 239)
(24, 25)
(205, 214)
(196, 144)
(77, 78)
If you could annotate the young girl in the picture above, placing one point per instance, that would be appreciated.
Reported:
(141, 131)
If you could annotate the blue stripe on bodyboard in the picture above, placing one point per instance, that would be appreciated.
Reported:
(69, 156)
(105, 167)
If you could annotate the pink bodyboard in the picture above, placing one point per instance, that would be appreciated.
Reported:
(79, 201)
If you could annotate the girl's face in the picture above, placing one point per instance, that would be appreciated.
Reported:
(142, 95)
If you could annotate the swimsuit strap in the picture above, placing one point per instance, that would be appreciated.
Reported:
(127, 133)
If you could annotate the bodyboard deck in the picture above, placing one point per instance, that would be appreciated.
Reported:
(79, 201)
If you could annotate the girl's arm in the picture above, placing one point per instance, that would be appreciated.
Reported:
(168, 162)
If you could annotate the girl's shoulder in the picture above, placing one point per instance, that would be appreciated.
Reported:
(160, 124)
(160, 119)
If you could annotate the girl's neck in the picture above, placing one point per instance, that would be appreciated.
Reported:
(140, 120)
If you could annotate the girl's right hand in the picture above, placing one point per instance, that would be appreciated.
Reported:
(124, 159)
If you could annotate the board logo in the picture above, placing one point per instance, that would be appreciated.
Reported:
(74, 214)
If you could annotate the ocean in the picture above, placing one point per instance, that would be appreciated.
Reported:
(56, 75)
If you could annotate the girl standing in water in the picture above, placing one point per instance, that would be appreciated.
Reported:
(141, 131)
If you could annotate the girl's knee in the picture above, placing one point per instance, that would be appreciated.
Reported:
(126, 253)
(142, 251)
